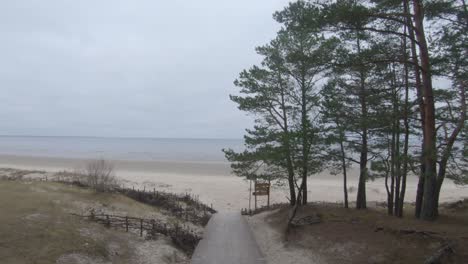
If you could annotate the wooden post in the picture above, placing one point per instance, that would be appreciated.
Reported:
(250, 198)
(255, 202)
(269, 187)
(126, 223)
(255, 194)
(141, 227)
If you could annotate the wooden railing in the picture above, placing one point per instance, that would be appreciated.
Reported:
(183, 206)
(182, 236)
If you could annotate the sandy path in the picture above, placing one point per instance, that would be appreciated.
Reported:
(228, 240)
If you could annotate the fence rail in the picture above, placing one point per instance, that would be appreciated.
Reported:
(182, 236)
(183, 206)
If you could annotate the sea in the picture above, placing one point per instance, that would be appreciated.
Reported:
(143, 149)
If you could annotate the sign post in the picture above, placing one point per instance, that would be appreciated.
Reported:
(250, 197)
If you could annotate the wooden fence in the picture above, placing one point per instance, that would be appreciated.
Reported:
(182, 236)
(183, 206)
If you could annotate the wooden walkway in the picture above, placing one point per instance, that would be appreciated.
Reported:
(227, 240)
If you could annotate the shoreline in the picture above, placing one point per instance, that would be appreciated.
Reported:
(169, 166)
(214, 183)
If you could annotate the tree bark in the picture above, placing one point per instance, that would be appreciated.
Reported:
(292, 187)
(345, 178)
(397, 151)
(420, 97)
(305, 137)
(401, 200)
(428, 210)
(391, 194)
(361, 192)
(397, 173)
(286, 142)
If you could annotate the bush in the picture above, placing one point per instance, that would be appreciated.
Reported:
(100, 175)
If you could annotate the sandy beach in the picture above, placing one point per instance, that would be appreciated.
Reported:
(214, 184)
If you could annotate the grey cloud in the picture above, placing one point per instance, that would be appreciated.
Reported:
(127, 68)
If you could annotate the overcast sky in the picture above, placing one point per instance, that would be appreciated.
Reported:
(128, 68)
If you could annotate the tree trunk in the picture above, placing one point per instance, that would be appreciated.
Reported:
(292, 187)
(397, 173)
(401, 200)
(361, 192)
(391, 194)
(304, 195)
(420, 96)
(286, 142)
(397, 150)
(419, 195)
(345, 179)
(387, 189)
(305, 137)
(289, 164)
(428, 210)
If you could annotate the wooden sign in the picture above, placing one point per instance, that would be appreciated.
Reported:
(261, 189)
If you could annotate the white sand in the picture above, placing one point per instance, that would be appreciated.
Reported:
(214, 184)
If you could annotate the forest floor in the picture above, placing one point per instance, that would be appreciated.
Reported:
(361, 236)
(37, 226)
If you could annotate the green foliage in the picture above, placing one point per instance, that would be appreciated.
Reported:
(340, 79)
(283, 95)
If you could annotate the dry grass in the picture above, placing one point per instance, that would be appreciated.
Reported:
(352, 236)
(36, 227)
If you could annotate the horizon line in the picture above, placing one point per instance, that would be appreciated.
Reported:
(119, 137)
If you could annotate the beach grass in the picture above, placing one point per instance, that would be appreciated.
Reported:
(34, 228)
(36, 225)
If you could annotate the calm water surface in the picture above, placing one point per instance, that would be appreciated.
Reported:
(118, 148)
